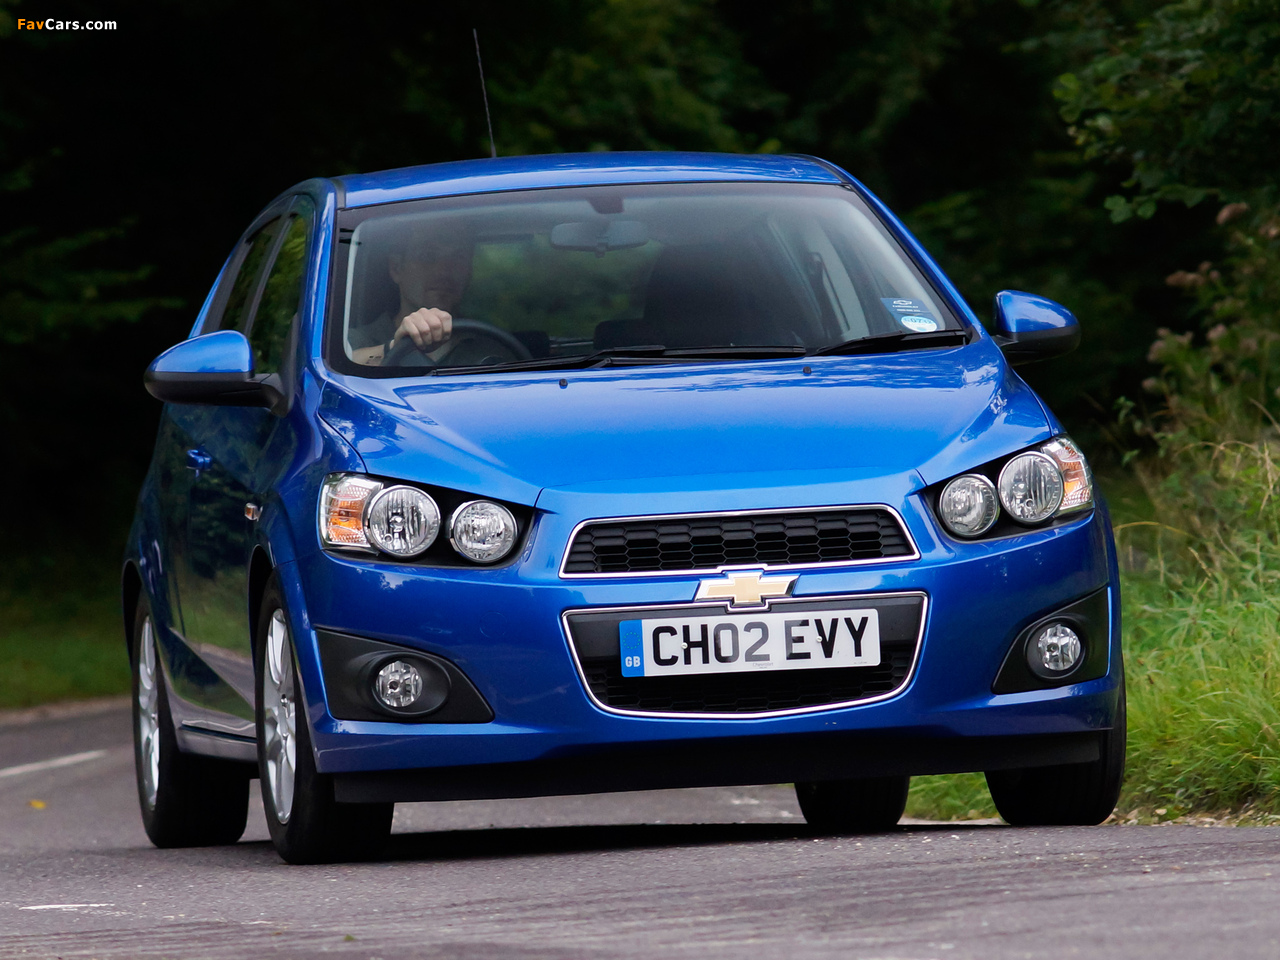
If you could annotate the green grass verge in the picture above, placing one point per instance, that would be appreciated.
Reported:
(60, 633)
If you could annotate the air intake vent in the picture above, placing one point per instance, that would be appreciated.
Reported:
(706, 542)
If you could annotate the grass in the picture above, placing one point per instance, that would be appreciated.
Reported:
(60, 632)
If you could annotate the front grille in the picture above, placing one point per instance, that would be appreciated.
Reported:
(595, 638)
(707, 542)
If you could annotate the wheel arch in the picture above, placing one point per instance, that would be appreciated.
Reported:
(130, 592)
(260, 570)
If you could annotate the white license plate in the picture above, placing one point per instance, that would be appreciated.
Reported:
(739, 643)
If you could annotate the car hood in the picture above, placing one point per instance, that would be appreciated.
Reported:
(926, 414)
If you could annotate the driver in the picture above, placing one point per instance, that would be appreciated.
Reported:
(432, 274)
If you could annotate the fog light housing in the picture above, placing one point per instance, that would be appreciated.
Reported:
(398, 685)
(408, 686)
(1054, 651)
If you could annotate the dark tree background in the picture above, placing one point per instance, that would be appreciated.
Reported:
(131, 160)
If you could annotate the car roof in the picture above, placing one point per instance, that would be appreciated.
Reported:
(575, 170)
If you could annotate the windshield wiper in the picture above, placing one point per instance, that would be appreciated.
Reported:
(894, 342)
(630, 356)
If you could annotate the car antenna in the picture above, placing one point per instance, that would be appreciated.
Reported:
(493, 149)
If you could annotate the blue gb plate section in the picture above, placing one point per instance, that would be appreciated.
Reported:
(631, 646)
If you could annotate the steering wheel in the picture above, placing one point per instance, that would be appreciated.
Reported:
(466, 335)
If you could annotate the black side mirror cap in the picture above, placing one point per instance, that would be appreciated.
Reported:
(214, 368)
(1030, 328)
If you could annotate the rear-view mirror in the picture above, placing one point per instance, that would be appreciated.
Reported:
(599, 235)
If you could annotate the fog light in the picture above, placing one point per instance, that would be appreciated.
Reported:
(398, 685)
(1054, 651)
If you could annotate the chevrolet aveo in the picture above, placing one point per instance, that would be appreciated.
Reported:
(571, 474)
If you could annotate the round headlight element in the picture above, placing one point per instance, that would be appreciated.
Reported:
(1055, 651)
(483, 531)
(968, 505)
(1031, 487)
(402, 521)
(398, 684)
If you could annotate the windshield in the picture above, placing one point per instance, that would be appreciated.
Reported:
(539, 278)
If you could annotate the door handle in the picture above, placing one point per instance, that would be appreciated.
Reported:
(198, 460)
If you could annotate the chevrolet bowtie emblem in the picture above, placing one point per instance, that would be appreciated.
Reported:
(745, 588)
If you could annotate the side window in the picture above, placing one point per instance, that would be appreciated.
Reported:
(235, 314)
(281, 297)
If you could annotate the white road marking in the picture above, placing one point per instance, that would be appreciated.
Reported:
(66, 906)
(53, 764)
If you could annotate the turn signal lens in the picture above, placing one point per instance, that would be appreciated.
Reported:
(968, 505)
(342, 503)
(1031, 487)
(483, 531)
(1077, 480)
(402, 521)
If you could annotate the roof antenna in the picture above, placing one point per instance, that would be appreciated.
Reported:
(493, 149)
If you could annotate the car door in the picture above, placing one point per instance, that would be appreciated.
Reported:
(239, 451)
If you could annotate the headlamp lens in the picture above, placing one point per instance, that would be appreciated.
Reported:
(483, 531)
(968, 505)
(402, 521)
(1031, 487)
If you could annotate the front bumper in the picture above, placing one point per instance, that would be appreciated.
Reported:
(503, 628)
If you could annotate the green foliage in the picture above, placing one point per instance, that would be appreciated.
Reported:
(1188, 99)
(54, 289)
(1203, 659)
(61, 636)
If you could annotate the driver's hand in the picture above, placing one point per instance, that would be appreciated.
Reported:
(427, 326)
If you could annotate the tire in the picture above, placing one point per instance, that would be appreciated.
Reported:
(854, 806)
(307, 825)
(1080, 794)
(186, 800)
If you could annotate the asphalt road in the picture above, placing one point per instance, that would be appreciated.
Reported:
(687, 873)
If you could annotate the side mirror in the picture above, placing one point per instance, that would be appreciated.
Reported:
(1032, 328)
(212, 368)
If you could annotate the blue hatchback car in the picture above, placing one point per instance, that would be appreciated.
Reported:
(570, 474)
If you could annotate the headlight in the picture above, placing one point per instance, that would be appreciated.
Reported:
(482, 531)
(402, 521)
(968, 505)
(1031, 487)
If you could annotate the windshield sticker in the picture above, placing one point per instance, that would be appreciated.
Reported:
(912, 314)
(918, 324)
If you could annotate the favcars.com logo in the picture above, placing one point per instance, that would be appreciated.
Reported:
(65, 24)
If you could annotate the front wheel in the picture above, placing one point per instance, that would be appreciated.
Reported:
(1081, 794)
(307, 825)
(186, 800)
(854, 806)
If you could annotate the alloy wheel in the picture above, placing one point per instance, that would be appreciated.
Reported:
(279, 720)
(148, 707)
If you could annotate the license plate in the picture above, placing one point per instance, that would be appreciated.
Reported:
(739, 643)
